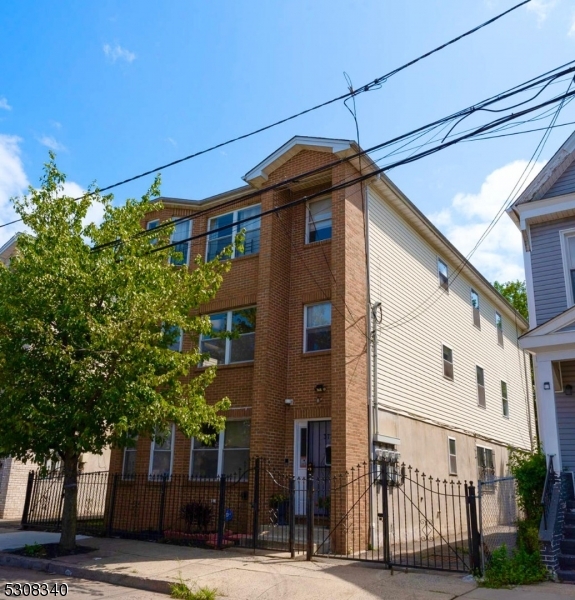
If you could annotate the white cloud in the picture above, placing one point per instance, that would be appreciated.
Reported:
(56, 124)
(116, 52)
(541, 8)
(500, 255)
(4, 103)
(52, 143)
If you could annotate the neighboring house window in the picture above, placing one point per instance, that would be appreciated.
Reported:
(452, 456)
(228, 454)
(232, 225)
(152, 225)
(241, 347)
(448, 362)
(568, 246)
(162, 454)
(499, 327)
(504, 399)
(480, 386)
(129, 463)
(485, 464)
(318, 226)
(317, 327)
(175, 333)
(475, 305)
(443, 274)
(182, 230)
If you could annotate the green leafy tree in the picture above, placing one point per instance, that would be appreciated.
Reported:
(85, 334)
(515, 292)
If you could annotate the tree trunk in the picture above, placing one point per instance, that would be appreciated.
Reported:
(70, 510)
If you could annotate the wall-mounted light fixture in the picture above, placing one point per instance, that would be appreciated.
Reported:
(288, 401)
(568, 390)
(320, 388)
(546, 385)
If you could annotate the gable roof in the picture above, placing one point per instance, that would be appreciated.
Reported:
(557, 333)
(556, 178)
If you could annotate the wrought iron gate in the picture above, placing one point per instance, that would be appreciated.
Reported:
(401, 517)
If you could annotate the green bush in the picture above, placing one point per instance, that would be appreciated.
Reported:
(529, 470)
(520, 568)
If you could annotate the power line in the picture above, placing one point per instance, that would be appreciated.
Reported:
(352, 93)
(548, 76)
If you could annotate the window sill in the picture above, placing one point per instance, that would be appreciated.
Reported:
(481, 406)
(242, 257)
(477, 326)
(319, 243)
(247, 363)
(448, 378)
(315, 353)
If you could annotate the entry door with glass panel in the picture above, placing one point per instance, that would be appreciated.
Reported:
(313, 456)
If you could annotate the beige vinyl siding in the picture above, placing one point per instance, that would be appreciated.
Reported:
(403, 277)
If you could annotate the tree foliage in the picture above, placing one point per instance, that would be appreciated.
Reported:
(85, 334)
(515, 292)
(529, 470)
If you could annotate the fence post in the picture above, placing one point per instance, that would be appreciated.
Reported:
(112, 504)
(162, 505)
(256, 514)
(29, 487)
(385, 513)
(309, 515)
(481, 544)
(291, 517)
(475, 541)
(221, 513)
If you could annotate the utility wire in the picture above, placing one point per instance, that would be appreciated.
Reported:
(376, 83)
(547, 76)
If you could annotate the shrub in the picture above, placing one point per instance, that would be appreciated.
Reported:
(520, 568)
(529, 470)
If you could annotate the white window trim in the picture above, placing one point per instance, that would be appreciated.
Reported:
(305, 307)
(228, 346)
(234, 229)
(148, 228)
(563, 235)
(440, 260)
(477, 456)
(477, 386)
(152, 446)
(505, 416)
(497, 329)
(126, 476)
(307, 218)
(452, 361)
(449, 455)
(190, 228)
(221, 441)
(473, 308)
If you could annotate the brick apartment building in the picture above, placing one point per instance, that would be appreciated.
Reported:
(354, 334)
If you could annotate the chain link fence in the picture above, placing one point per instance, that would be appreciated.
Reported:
(498, 516)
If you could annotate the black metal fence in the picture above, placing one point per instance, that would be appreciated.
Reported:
(376, 512)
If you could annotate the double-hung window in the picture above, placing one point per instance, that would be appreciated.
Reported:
(317, 327)
(447, 362)
(162, 453)
(227, 454)
(475, 305)
(485, 464)
(318, 224)
(452, 456)
(129, 462)
(182, 231)
(568, 246)
(480, 374)
(174, 337)
(240, 347)
(504, 399)
(499, 327)
(226, 227)
(443, 274)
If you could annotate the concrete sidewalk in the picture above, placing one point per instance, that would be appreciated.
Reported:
(241, 575)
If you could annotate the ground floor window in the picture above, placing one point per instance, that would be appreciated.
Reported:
(162, 453)
(227, 454)
(485, 464)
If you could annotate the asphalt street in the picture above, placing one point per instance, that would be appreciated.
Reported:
(77, 588)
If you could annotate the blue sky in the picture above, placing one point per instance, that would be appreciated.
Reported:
(118, 87)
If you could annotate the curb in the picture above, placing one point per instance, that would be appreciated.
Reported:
(57, 568)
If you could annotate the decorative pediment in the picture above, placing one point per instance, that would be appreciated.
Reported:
(559, 331)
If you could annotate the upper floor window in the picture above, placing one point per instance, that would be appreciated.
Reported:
(504, 399)
(226, 227)
(317, 327)
(153, 224)
(318, 225)
(241, 347)
(480, 375)
(499, 327)
(228, 453)
(448, 362)
(568, 248)
(475, 305)
(182, 230)
(162, 453)
(443, 274)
